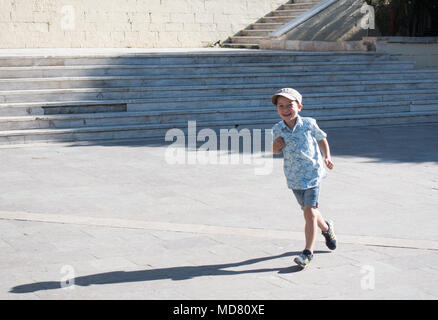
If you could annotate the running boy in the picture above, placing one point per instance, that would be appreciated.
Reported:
(298, 138)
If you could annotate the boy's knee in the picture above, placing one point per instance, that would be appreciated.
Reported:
(310, 212)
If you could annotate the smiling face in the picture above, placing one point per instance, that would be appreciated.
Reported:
(288, 109)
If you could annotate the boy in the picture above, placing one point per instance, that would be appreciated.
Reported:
(298, 138)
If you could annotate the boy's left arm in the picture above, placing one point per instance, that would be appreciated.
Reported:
(324, 146)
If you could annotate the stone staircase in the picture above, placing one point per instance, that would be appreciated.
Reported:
(141, 96)
(250, 36)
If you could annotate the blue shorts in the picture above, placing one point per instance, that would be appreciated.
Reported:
(307, 197)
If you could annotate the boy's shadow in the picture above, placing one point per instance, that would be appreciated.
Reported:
(173, 273)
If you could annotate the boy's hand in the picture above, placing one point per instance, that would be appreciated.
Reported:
(329, 163)
(278, 145)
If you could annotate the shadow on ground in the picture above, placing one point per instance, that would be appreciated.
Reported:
(403, 143)
(173, 273)
(399, 143)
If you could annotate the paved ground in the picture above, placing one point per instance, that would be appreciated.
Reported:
(125, 224)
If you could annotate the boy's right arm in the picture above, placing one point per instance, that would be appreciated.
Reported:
(278, 145)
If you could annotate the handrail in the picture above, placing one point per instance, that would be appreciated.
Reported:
(302, 18)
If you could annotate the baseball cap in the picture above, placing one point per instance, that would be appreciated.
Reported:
(289, 93)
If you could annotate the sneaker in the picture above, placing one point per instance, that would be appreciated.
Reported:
(330, 237)
(303, 259)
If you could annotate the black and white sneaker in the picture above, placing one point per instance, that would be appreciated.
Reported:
(304, 259)
(330, 237)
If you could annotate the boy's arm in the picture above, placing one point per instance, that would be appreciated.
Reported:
(324, 146)
(278, 142)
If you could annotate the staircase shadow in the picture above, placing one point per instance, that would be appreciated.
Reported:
(172, 273)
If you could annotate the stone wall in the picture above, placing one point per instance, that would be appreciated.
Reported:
(422, 50)
(125, 23)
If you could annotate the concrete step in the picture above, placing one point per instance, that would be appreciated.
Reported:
(306, 1)
(151, 59)
(304, 5)
(262, 25)
(424, 105)
(129, 118)
(172, 103)
(157, 132)
(264, 100)
(256, 33)
(145, 95)
(209, 91)
(241, 45)
(66, 107)
(378, 119)
(150, 117)
(250, 39)
(278, 19)
(246, 39)
(121, 70)
(160, 59)
(275, 19)
(143, 106)
(216, 79)
(286, 12)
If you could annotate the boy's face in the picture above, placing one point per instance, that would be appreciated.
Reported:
(288, 109)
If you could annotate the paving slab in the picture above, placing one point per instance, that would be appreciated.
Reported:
(123, 223)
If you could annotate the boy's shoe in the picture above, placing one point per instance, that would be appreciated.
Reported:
(330, 237)
(303, 259)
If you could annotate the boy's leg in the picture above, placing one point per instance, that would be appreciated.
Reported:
(313, 218)
(321, 222)
(308, 199)
(310, 228)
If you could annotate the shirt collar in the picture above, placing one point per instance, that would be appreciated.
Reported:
(299, 123)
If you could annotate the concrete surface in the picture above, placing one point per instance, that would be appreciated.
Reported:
(118, 222)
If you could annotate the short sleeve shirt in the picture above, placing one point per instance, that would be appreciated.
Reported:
(303, 162)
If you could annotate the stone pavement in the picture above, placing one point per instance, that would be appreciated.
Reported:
(116, 221)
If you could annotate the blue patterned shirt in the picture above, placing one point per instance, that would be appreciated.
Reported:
(303, 162)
